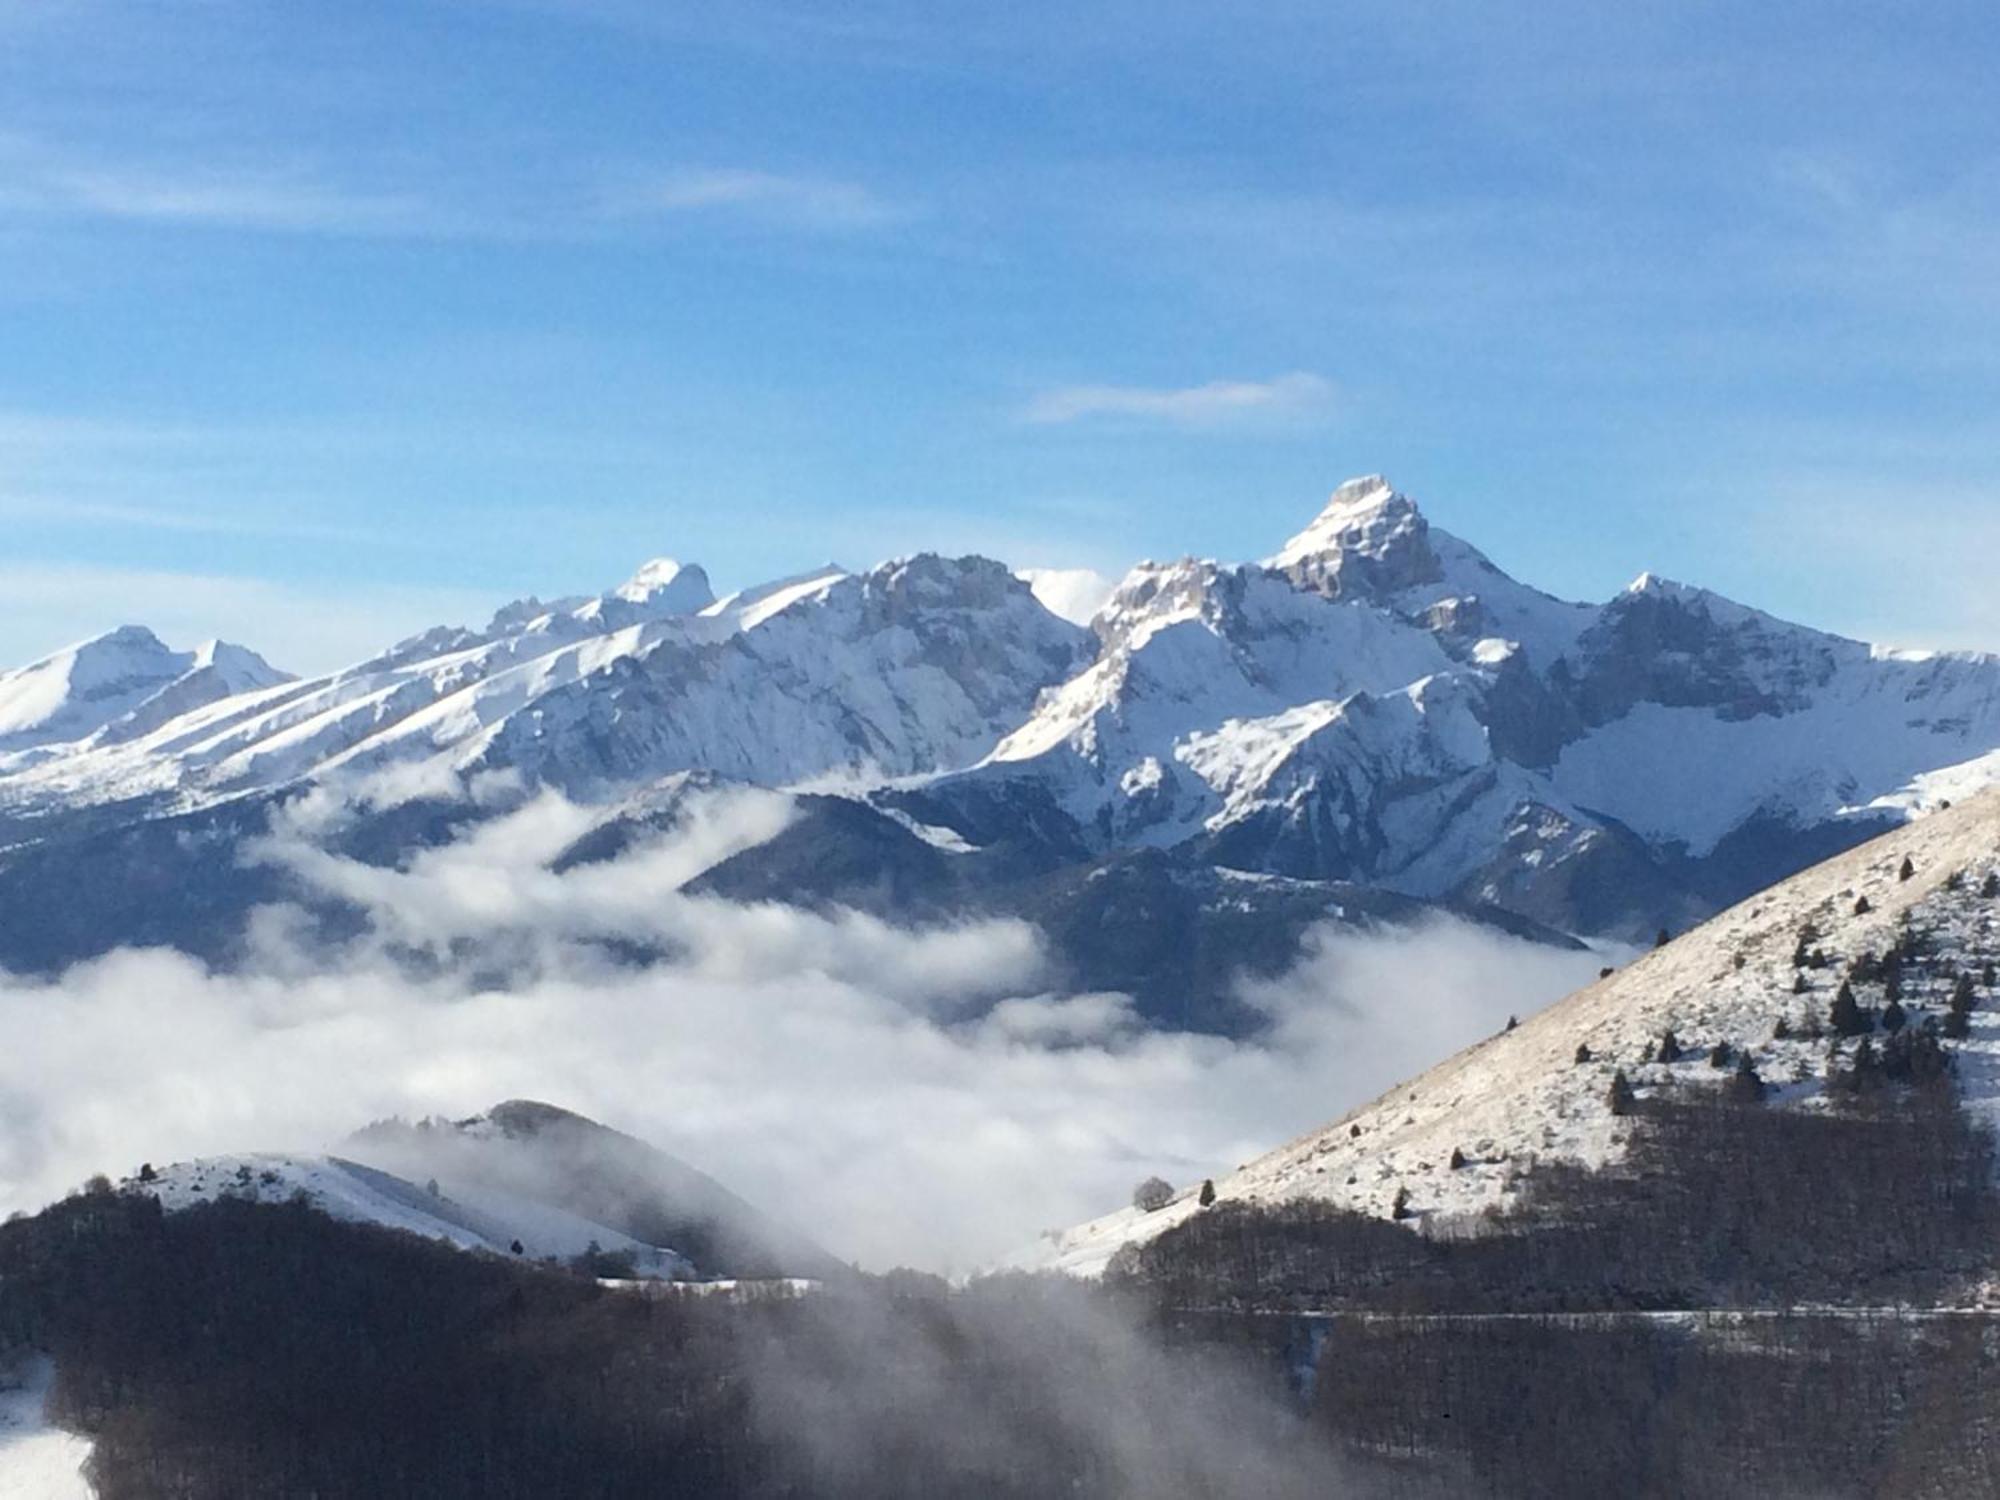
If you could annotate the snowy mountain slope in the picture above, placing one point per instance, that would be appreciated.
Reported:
(1541, 1091)
(470, 1216)
(1374, 704)
(1379, 702)
(914, 666)
(118, 685)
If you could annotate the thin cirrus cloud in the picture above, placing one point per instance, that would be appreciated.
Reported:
(230, 202)
(43, 180)
(777, 199)
(295, 197)
(1296, 396)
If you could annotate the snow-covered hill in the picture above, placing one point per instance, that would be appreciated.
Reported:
(1541, 1091)
(472, 1216)
(527, 1152)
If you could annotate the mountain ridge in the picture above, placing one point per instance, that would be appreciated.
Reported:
(1376, 704)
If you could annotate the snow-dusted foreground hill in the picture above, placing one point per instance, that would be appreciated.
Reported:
(470, 1216)
(524, 1180)
(1541, 1091)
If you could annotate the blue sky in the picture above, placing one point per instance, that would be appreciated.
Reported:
(320, 322)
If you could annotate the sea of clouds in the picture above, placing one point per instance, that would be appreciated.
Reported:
(917, 1098)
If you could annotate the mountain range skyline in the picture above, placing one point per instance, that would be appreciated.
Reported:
(1074, 593)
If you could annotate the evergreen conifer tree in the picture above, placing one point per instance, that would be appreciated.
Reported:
(1745, 1087)
(1844, 1015)
(1621, 1098)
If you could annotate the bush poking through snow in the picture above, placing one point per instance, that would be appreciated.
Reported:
(1152, 1195)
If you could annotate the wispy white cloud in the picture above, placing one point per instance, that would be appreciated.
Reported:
(1297, 395)
(287, 196)
(1076, 594)
(225, 200)
(281, 199)
(819, 204)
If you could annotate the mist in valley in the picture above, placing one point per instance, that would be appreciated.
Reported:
(904, 1097)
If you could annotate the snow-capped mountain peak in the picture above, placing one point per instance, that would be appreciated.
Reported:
(241, 668)
(668, 586)
(1370, 539)
(660, 590)
(108, 681)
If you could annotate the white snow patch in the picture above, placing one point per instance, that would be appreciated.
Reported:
(38, 1461)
